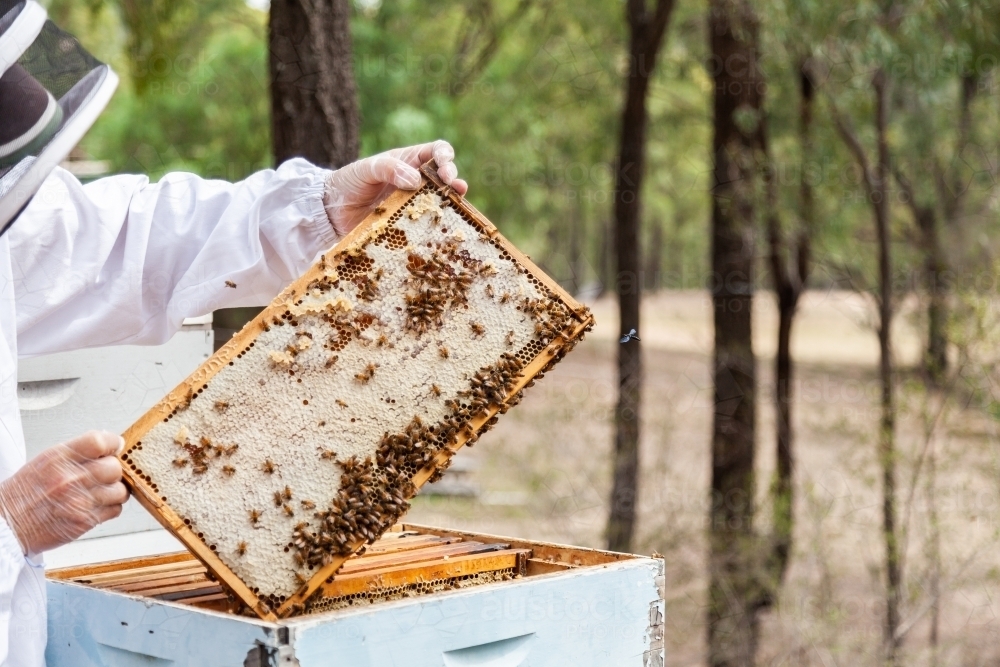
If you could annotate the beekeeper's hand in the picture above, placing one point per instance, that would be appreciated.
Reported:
(354, 190)
(64, 492)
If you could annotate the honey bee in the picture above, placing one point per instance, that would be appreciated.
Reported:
(278, 501)
(366, 375)
(327, 454)
(229, 450)
(341, 403)
(287, 493)
(505, 298)
(307, 504)
(436, 390)
(205, 442)
(268, 466)
(220, 406)
(255, 517)
(379, 210)
(443, 352)
(510, 338)
(241, 549)
(331, 361)
(288, 510)
(489, 290)
(382, 341)
(302, 581)
(200, 469)
(477, 329)
(228, 471)
(230, 284)
(181, 462)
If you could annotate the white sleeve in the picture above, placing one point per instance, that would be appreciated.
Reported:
(121, 260)
(12, 561)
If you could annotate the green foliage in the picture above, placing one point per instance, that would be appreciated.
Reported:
(206, 110)
(529, 93)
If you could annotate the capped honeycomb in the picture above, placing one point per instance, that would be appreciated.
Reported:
(305, 436)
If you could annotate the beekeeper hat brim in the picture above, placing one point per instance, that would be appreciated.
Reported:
(51, 92)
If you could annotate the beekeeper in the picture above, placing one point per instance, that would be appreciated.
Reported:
(124, 261)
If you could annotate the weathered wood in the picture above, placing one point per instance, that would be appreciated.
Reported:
(406, 544)
(556, 553)
(114, 567)
(354, 565)
(536, 566)
(402, 575)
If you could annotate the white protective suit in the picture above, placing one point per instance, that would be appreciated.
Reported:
(123, 261)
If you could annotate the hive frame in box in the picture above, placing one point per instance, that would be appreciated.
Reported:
(146, 492)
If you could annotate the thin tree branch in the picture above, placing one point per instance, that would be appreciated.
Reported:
(850, 138)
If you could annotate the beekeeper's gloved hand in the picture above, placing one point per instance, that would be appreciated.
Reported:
(64, 492)
(354, 190)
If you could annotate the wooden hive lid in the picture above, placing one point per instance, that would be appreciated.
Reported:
(305, 435)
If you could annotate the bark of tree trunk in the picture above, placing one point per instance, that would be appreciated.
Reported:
(654, 259)
(876, 183)
(603, 252)
(314, 106)
(790, 268)
(937, 305)
(646, 31)
(935, 261)
(734, 592)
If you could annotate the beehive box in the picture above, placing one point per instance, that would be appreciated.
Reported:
(413, 601)
(305, 436)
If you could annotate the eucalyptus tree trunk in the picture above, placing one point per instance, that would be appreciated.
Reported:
(790, 261)
(646, 31)
(314, 106)
(875, 179)
(734, 578)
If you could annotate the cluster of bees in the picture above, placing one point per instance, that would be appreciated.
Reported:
(489, 386)
(434, 287)
(374, 495)
(199, 456)
(552, 320)
(364, 508)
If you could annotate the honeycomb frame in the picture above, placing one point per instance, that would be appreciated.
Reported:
(506, 379)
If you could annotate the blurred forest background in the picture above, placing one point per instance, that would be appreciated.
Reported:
(827, 493)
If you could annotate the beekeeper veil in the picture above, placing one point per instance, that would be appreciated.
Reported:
(51, 92)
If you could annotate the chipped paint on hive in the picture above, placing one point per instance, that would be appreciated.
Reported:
(389, 358)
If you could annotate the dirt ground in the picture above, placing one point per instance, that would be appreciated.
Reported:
(544, 473)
